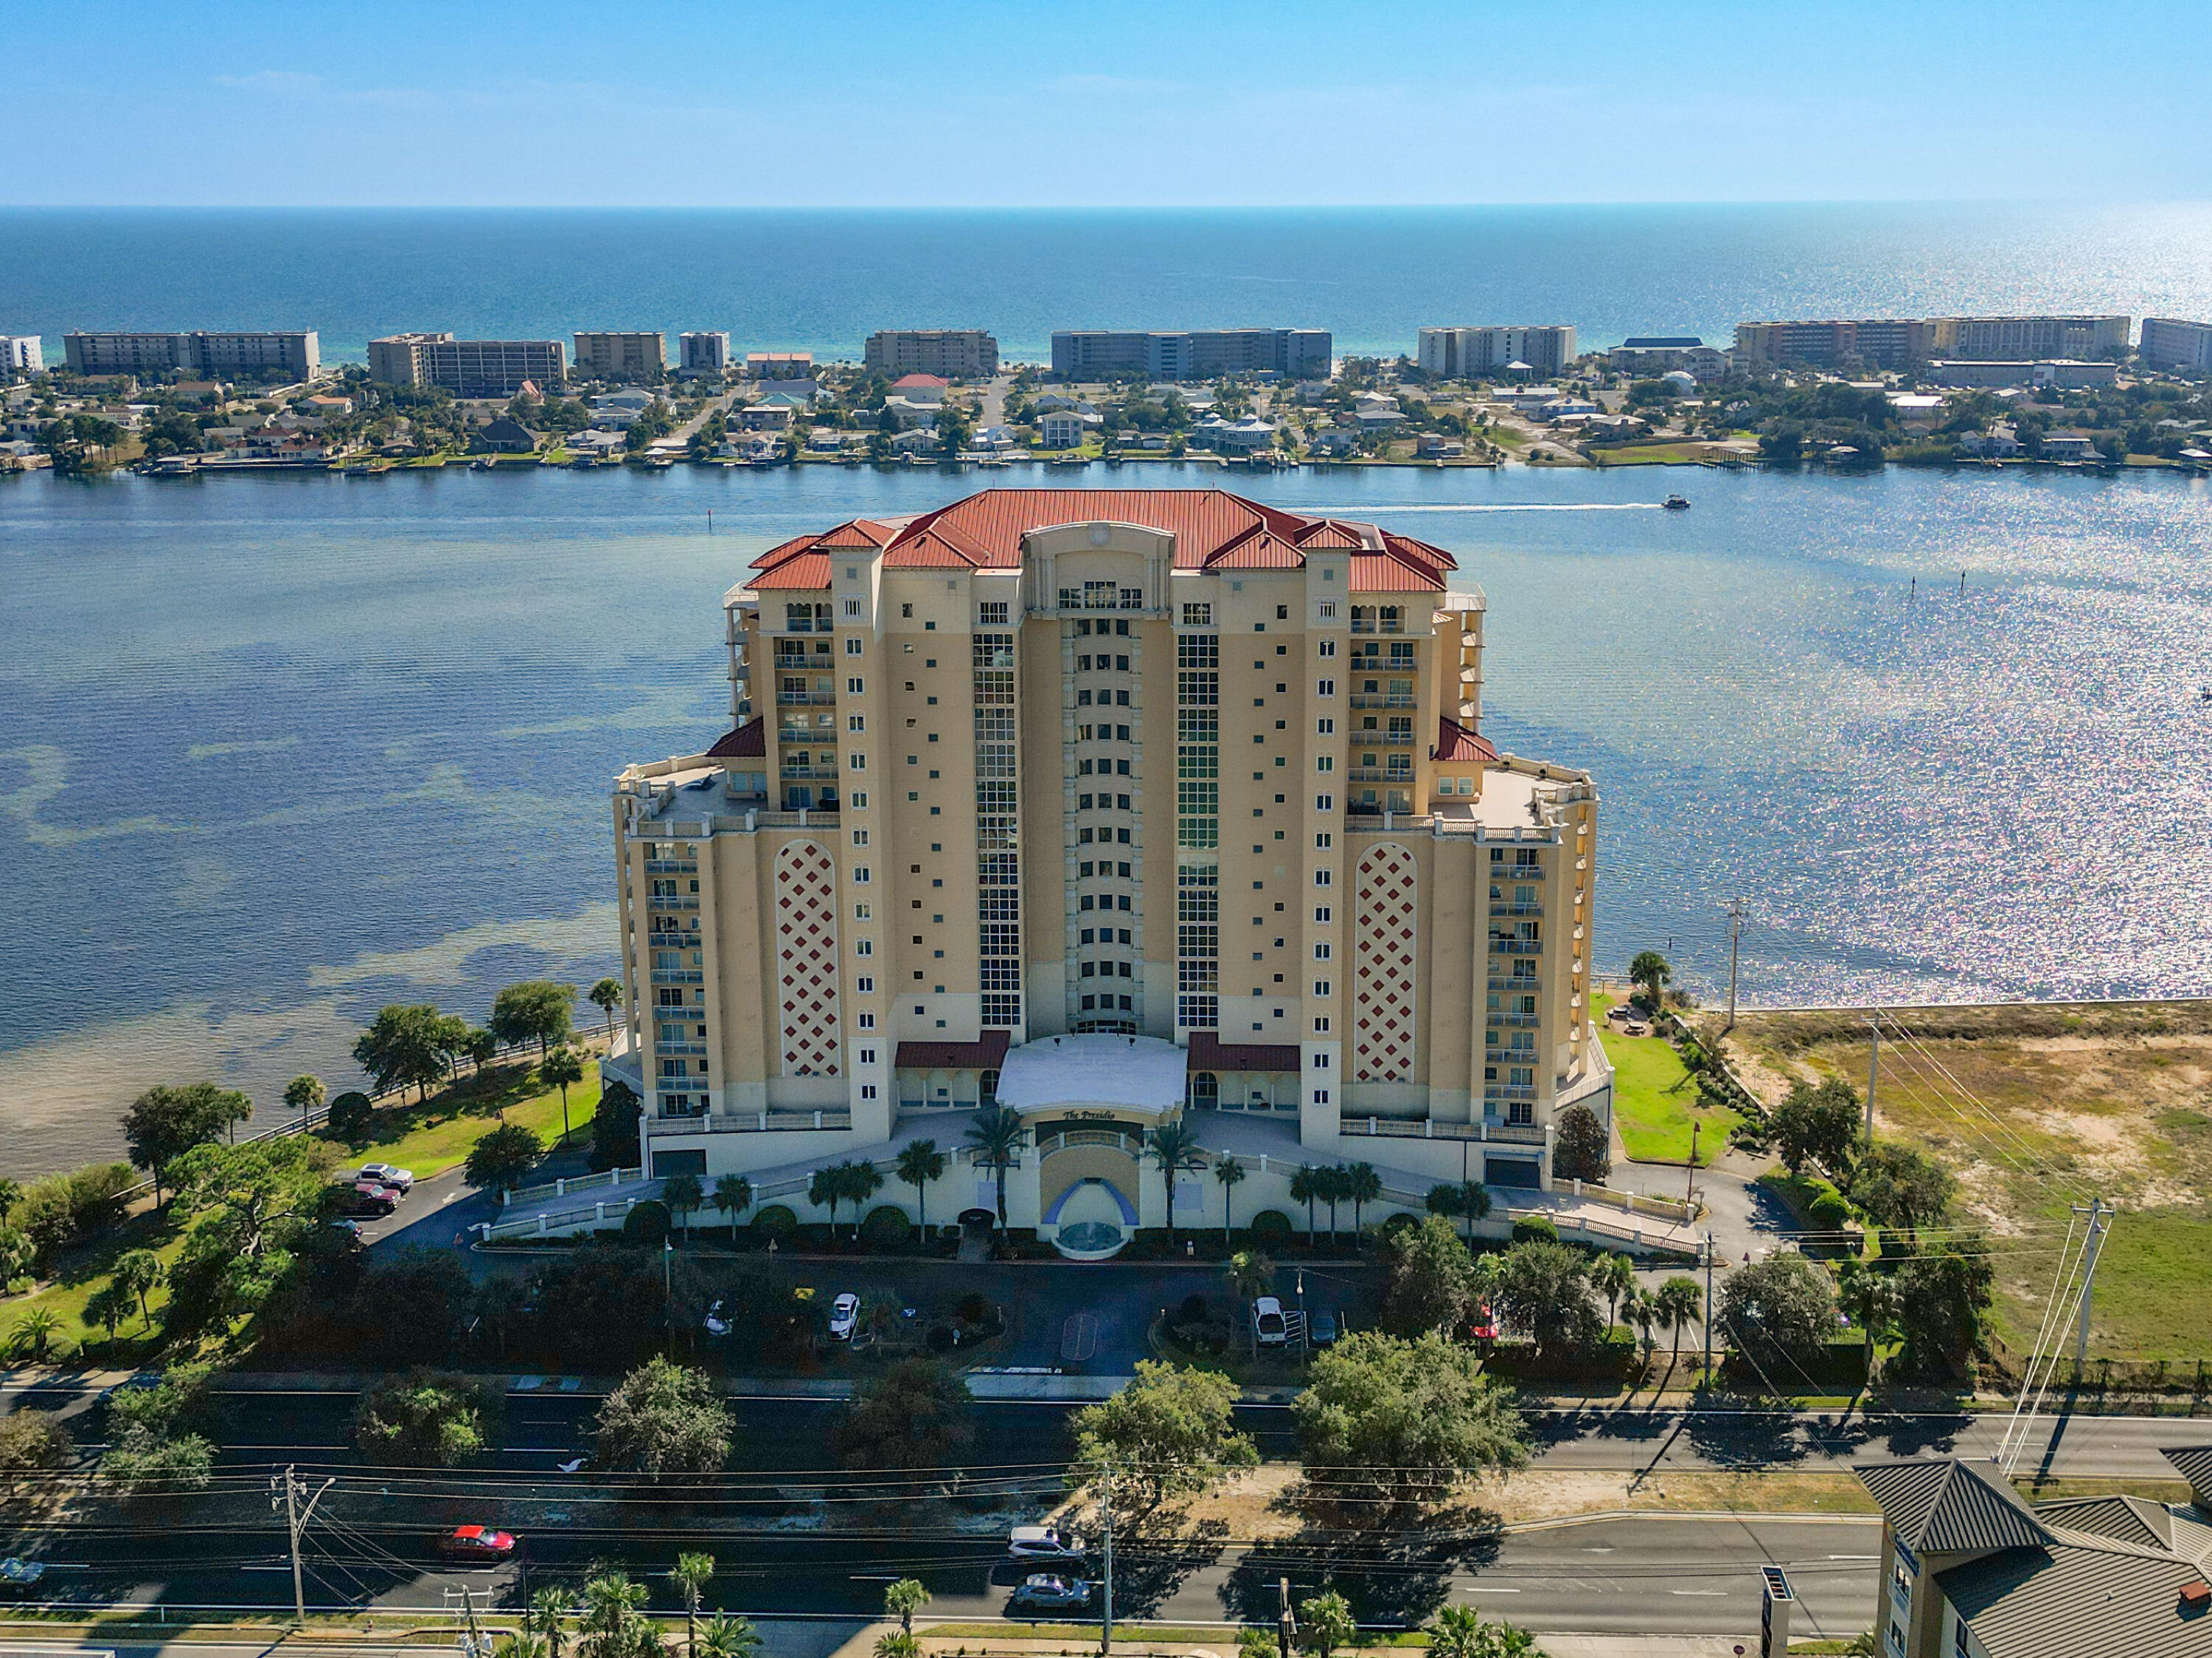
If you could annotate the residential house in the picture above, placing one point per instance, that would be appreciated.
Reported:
(506, 436)
(1998, 442)
(1062, 428)
(2070, 445)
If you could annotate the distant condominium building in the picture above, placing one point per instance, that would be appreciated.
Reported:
(1458, 353)
(1193, 355)
(2181, 346)
(779, 365)
(2066, 373)
(213, 355)
(1111, 808)
(22, 353)
(1885, 343)
(467, 368)
(620, 355)
(2030, 339)
(705, 353)
(956, 354)
(1659, 354)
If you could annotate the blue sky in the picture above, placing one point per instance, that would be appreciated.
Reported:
(934, 102)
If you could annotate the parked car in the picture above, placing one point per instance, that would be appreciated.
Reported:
(368, 1201)
(717, 1320)
(481, 1544)
(350, 1229)
(383, 1174)
(1322, 1328)
(1042, 1543)
(844, 1317)
(1269, 1328)
(1047, 1592)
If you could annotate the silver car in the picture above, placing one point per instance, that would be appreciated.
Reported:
(1048, 1592)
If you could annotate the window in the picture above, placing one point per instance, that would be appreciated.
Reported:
(1322, 879)
(1327, 610)
(1321, 1062)
(992, 615)
(1321, 843)
(859, 762)
(1321, 1096)
(907, 610)
(1327, 646)
(864, 947)
(856, 722)
(853, 608)
(867, 1020)
(861, 876)
(1324, 803)
(1198, 615)
(863, 912)
(1322, 952)
(859, 837)
(864, 985)
(854, 687)
(853, 647)
(867, 1090)
(1324, 763)
(1321, 988)
(859, 799)
(1321, 1025)
(1325, 727)
(1324, 688)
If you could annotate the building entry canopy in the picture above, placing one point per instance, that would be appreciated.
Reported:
(1115, 1073)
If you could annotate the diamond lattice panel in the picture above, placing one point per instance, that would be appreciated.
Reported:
(1383, 1044)
(807, 957)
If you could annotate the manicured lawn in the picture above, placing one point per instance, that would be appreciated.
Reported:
(1655, 1102)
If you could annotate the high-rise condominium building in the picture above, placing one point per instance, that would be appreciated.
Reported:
(216, 356)
(620, 355)
(2183, 347)
(954, 353)
(1887, 343)
(1193, 355)
(467, 368)
(1458, 352)
(2023, 339)
(22, 353)
(706, 352)
(1109, 807)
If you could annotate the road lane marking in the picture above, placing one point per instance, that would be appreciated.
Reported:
(1697, 1592)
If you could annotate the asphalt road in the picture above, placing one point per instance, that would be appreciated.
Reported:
(1660, 1574)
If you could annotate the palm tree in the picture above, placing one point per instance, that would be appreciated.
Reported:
(1229, 1172)
(730, 1637)
(482, 1047)
(862, 1182)
(1362, 1185)
(1331, 1181)
(33, 1338)
(546, 1617)
(1306, 1188)
(562, 1066)
(826, 1190)
(897, 1644)
(1678, 1302)
(304, 1094)
(1649, 973)
(1640, 1311)
(920, 1161)
(1251, 1275)
(610, 1614)
(683, 1194)
(692, 1574)
(1175, 1150)
(1458, 1632)
(996, 1135)
(607, 995)
(1614, 1277)
(733, 1195)
(903, 1600)
(1870, 1298)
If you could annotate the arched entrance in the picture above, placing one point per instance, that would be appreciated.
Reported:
(1095, 1220)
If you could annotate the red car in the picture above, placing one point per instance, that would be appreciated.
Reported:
(479, 1542)
(1485, 1325)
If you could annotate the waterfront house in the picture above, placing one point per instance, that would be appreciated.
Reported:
(1062, 428)
(507, 436)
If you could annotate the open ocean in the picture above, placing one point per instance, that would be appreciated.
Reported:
(276, 749)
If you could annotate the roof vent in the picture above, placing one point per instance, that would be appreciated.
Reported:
(2195, 1597)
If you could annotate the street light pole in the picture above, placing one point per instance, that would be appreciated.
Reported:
(295, 1522)
(1708, 1306)
(1106, 1604)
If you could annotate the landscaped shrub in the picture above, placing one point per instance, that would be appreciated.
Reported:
(32, 1439)
(886, 1228)
(645, 1224)
(1396, 1226)
(66, 1209)
(350, 1115)
(1539, 1227)
(775, 1221)
(1271, 1227)
(1830, 1211)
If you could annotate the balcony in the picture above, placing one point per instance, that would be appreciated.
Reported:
(678, 975)
(1381, 739)
(1514, 1021)
(697, 1048)
(1516, 910)
(1424, 1128)
(803, 699)
(1508, 1092)
(809, 774)
(669, 866)
(1377, 775)
(1516, 946)
(1377, 700)
(1387, 625)
(662, 900)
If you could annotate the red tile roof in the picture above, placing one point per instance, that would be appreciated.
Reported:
(1456, 742)
(1207, 1053)
(985, 1056)
(748, 741)
(1214, 529)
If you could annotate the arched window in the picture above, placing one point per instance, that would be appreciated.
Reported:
(1205, 1091)
(988, 1089)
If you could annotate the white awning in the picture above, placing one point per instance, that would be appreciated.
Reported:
(1120, 1073)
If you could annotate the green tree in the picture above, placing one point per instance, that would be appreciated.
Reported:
(429, 1419)
(1362, 1186)
(729, 1637)
(157, 1437)
(607, 996)
(840, 1182)
(350, 1116)
(1778, 1312)
(246, 1208)
(1387, 1421)
(920, 1161)
(614, 1127)
(1901, 1188)
(919, 1415)
(903, 1600)
(305, 1096)
(17, 1253)
(482, 1048)
(546, 1617)
(1325, 1623)
(1679, 1303)
(561, 1067)
(1817, 1124)
(663, 1418)
(1467, 1199)
(502, 1159)
(537, 1010)
(1170, 1432)
(1306, 1187)
(403, 1048)
(1174, 1150)
(1614, 1277)
(33, 1441)
(1651, 973)
(164, 1122)
(33, 1335)
(733, 1195)
(138, 1273)
(1230, 1174)
(1583, 1149)
(1431, 1278)
(997, 1137)
(1942, 1303)
(613, 1624)
(694, 1572)
(683, 1193)
(1544, 1290)
(1869, 1298)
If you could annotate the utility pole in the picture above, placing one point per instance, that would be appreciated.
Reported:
(1873, 1069)
(1286, 1623)
(2100, 1222)
(475, 1644)
(1690, 1195)
(1736, 941)
(1106, 1603)
(295, 1523)
(1708, 1319)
